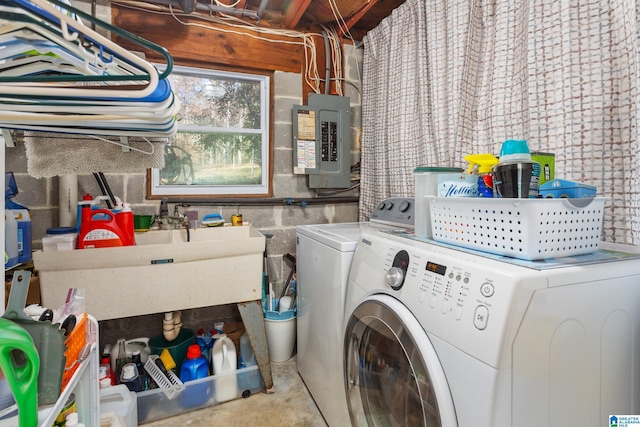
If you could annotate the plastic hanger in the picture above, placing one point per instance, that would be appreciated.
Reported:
(31, 29)
(14, 37)
(51, 10)
(27, 84)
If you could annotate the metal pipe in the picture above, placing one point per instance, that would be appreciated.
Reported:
(262, 7)
(263, 201)
(213, 8)
(327, 62)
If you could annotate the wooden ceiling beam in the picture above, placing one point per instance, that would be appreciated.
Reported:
(353, 19)
(294, 12)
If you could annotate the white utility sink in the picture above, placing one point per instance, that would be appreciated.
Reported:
(162, 272)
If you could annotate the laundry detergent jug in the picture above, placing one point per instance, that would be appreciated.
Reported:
(101, 228)
(195, 367)
(19, 368)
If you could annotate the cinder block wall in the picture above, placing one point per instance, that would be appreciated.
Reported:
(41, 196)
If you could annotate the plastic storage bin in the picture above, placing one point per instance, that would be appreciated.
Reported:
(155, 404)
(530, 229)
(60, 239)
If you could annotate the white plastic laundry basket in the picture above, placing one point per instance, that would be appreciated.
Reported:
(530, 229)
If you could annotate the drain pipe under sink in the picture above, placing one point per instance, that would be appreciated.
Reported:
(171, 325)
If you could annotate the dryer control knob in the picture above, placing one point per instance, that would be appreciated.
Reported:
(395, 277)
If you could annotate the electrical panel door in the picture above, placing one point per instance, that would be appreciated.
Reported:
(321, 141)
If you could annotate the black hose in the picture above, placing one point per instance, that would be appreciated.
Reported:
(106, 185)
(103, 190)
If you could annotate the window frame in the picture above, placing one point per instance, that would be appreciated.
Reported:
(156, 191)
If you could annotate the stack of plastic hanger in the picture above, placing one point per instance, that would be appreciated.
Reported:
(59, 75)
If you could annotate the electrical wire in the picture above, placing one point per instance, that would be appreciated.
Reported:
(346, 32)
(240, 27)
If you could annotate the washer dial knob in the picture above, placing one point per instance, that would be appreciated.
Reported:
(395, 277)
(396, 274)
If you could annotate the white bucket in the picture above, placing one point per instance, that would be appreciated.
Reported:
(281, 337)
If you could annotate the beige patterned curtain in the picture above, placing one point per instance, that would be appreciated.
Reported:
(442, 79)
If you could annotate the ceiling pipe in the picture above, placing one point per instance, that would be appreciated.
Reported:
(188, 6)
(212, 8)
(327, 63)
(262, 7)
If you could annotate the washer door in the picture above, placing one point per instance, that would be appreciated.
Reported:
(392, 373)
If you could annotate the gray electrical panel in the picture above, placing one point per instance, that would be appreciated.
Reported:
(322, 141)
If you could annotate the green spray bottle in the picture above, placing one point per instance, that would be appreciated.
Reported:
(482, 165)
(21, 371)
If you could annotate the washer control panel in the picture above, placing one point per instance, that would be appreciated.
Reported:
(395, 211)
(464, 299)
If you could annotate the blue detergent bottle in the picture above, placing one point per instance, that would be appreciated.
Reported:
(194, 367)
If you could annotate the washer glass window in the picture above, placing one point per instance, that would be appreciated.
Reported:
(388, 375)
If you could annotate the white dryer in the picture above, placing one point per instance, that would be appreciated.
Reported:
(439, 336)
(323, 258)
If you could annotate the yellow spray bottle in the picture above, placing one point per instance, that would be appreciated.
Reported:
(481, 165)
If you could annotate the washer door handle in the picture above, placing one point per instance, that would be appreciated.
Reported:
(352, 362)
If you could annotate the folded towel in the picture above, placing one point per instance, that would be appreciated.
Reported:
(54, 154)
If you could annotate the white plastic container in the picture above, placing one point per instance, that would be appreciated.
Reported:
(122, 402)
(250, 380)
(223, 361)
(426, 184)
(141, 344)
(60, 239)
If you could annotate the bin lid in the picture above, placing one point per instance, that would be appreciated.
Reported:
(434, 169)
(61, 230)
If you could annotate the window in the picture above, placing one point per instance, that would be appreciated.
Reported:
(222, 144)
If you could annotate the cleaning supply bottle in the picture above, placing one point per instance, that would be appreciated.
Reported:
(223, 360)
(23, 218)
(121, 357)
(124, 219)
(10, 239)
(20, 375)
(99, 229)
(195, 365)
(516, 175)
(482, 166)
(248, 380)
(136, 358)
(131, 377)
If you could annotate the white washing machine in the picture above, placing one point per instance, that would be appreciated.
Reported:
(323, 258)
(438, 336)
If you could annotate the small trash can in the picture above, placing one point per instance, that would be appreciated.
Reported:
(281, 333)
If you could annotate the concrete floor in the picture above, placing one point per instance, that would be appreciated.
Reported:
(290, 405)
